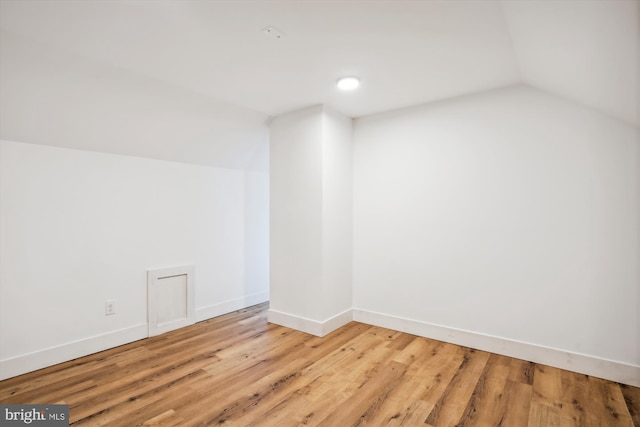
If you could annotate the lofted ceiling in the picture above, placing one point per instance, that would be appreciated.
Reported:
(405, 52)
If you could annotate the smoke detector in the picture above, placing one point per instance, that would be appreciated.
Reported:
(272, 32)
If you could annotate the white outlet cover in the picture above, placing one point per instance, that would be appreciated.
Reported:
(109, 308)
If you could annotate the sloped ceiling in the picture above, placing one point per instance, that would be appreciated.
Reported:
(405, 52)
(587, 51)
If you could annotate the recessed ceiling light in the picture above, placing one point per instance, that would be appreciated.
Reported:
(348, 83)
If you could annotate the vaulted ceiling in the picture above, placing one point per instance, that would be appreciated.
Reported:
(405, 52)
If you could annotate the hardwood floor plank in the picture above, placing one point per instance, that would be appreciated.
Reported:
(522, 371)
(453, 402)
(400, 341)
(100, 404)
(487, 404)
(435, 369)
(260, 393)
(575, 399)
(414, 415)
(632, 400)
(518, 405)
(606, 404)
(547, 385)
(239, 370)
(403, 404)
(541, 415)
(363, 404)
(166, 419)
(140, 409)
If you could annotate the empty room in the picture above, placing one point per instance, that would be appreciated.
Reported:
(324, 212)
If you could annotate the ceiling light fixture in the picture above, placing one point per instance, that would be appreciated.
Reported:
(348, 83)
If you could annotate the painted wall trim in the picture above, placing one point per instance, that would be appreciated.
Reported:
(50, 356)
(153, 306)
(19, 365)
(337, 321)
(299, 323)
(313, 327)
(575, 362)
(213, 310)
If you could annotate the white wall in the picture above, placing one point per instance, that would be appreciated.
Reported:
(310, 233)
(81, 227)
(256, 233)
(295, 155)
(337, 213)
(510, 214)
(78, 228)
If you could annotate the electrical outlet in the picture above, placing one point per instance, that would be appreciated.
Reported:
(109, 308)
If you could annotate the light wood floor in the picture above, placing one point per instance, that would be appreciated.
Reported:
(239, 370)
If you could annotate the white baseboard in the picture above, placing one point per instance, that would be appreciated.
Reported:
(213, 310)
(575, 362)
(337, 321)
(50, 356)
(313, 327)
